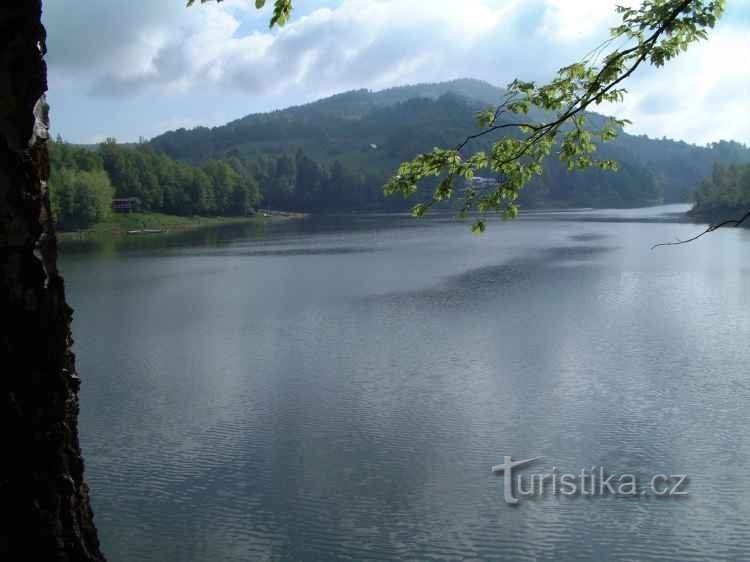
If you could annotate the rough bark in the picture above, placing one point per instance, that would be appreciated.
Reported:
(43, 496)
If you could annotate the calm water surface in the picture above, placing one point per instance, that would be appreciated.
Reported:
(338, 388)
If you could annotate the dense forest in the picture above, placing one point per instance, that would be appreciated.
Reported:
(725, 194)
(84, 181)
(335, 155)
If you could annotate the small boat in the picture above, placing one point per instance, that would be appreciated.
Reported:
(146, 231)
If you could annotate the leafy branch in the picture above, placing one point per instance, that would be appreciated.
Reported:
(656, 32)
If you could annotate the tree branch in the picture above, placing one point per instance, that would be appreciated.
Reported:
(711, 228)
(672, 25)
(582, 103)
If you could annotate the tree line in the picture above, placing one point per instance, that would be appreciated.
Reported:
(225, 187)
(299, 183)
(84, 181)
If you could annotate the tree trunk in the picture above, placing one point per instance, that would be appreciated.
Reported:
(43, 497)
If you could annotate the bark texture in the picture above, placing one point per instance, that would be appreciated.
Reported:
(43, 497)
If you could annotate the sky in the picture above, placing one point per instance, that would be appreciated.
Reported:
(136, 68)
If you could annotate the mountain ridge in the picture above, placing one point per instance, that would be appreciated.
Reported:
(374, 131)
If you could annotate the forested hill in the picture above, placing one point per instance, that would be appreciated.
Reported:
(367, 134)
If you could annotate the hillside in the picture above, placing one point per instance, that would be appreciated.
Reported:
(370, 133)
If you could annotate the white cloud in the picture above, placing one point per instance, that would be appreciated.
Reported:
(359, 44)
(567, 21)
(113, 49)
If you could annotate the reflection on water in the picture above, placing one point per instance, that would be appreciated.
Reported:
(339, 387)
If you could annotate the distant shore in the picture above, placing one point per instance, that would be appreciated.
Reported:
(159, 223)
(720, 214)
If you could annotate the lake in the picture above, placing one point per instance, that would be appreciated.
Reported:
(339, 388)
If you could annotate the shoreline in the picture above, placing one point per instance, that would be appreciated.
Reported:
(150, 224)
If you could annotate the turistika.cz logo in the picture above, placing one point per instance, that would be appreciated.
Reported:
(593, 481)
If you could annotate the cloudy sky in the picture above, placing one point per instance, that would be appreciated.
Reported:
(131, 68)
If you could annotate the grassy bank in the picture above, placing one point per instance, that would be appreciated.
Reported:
(121, 224)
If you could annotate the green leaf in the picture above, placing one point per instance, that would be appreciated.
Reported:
(485, 118)
(419, 210)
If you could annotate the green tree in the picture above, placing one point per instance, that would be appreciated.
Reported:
(225, 180)
(202, 194)
(246, 196)
(80, 198)
(727, 191)
(121, 169)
